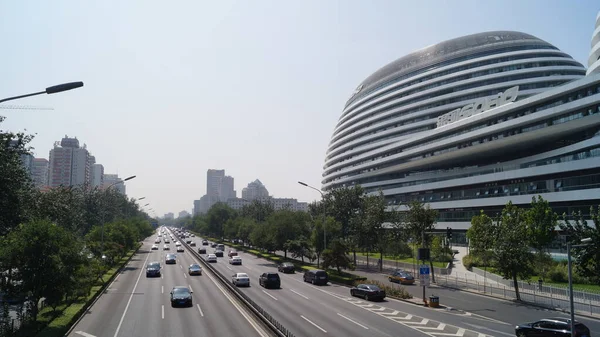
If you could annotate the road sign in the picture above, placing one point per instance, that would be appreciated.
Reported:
(424, 275)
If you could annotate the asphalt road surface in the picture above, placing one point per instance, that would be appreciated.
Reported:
(135, 305)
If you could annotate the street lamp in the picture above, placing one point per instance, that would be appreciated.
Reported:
(108, 188)
(585, 242)
(142, 198)
(49, 90)
(324, 231)
(145, 205)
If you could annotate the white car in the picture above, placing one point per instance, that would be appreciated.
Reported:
(154, 247)
(177, 244)
(180, 249)
(167, 241)
(166, 247)
(211, 258)
(235, 260)
(240, 279)
(157, 241)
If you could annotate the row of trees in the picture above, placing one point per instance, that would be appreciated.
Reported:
(344, 222)
(515, 241)
(52, 242)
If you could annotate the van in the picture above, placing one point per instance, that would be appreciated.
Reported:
(316, 276)
(221, 247)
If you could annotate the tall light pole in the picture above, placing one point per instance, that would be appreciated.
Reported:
(50, 90)
(322, 195)
(108, 189)
(585, 242)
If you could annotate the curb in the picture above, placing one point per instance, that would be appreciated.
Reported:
(100, 292)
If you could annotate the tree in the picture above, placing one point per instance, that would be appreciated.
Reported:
(511, 248)
(336, 256)
(323, 225)
(588, 257)
(257, 210)
(419, 220)
(369, 230)
(217, 216)
(541, 223)
(481, 234)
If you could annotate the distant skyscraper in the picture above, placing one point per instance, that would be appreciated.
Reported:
(169, 216)
(183, 214)
(213, 182)
(226, 190)
(197, 207)
(39, 172)
(69, 164)
(255, 190)
(97, 175)
(110, 179)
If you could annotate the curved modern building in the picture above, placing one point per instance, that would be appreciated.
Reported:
(471, 123)
(594, 59)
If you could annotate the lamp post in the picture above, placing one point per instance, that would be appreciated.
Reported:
(324, 231)
(103, 213)
(50, 90)
(585, 242)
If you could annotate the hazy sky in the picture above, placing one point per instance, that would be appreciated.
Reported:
(173, 88)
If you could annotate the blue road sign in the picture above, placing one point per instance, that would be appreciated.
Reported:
(424, 270)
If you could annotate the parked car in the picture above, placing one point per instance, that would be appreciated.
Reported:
(240, 279)
(368, 292)
(286, 267)
(268, 280)
(401, 277)
(560, 327)
(316, 276)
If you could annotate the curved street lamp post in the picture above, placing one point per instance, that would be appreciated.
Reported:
(50, 90)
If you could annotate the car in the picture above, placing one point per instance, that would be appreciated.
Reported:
(188, 241)
(401, 277)
(170, 259)
(240, 279)
(193, 244)
(153, 269)
(268, 280)
(181, 296)
(154, 247)
(221, 247)
(204, 243)
(214, 245)
(368, 292)
(286, 267)
(219, 253)
(177, 244)
(235, 260)
(167, 241)
(180, 249)
(195, 269)
(232, 253)
(157, 241)
(166, 247)
(316, 276)
(202, 250)
(192, 235)
(211, 258)
(551, 327)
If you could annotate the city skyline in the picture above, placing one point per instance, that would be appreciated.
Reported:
(274, 121)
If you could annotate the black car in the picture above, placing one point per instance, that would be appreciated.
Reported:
(368, 292)
(193, 244)
(205, 243)
(171, 259)
(286, 267)
(560, 327)
(153, 269)
(269, 280)
(219, 253)
(316, 276)
(181, 296)
(214, 245)
(202, 250)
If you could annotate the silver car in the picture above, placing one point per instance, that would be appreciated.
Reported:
(240, 279)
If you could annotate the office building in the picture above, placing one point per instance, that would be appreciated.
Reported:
(213, 182)
(114, 182)
(69, 163)
(255, 190)
(39, 172)
(226, 189)
(197, 208)
(594, 58)
(169, 216)
(183, 214)
(97, 175)
(472, 123)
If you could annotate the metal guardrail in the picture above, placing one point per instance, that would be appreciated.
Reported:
(261, 313)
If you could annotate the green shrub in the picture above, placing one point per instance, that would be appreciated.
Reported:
(392, 291)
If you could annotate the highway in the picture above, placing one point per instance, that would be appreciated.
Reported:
(134, 305)
(308, 310)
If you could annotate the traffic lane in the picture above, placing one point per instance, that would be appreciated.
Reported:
(485, 306)
(305, 315)
(102, 319)
(339, 297)
(221, 313)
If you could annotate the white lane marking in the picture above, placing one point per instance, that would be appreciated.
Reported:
(486, 328)
(162, 289)
(162, 311)
(85, 334)
(189, 286)
(201, 313)
(130, 297)
(239, 309)
(297, 293)
(486, 318)
(181, 266)
(228, 268)
(184, 275)
(271, 296)
(353, 321)
(316, 326)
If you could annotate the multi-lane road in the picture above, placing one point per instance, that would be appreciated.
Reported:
(134, 305)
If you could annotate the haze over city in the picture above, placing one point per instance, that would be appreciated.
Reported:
(255, 88)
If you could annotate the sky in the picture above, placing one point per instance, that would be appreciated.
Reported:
(174, 88)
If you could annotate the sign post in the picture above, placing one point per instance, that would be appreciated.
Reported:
(424, 279)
